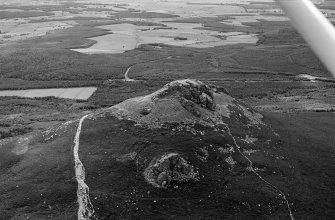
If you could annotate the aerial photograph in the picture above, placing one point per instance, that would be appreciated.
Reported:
(167, 109)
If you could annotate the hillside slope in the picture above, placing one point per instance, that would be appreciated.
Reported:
(188, 150)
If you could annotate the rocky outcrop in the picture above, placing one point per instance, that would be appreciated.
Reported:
(169, 169)
(183, 101)
(193, 91)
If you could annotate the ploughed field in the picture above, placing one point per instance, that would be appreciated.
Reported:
(64, 64)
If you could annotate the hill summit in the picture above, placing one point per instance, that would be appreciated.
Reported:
(184, 101)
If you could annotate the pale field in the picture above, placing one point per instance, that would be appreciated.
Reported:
(128, 36)
(16, 29)
(11, 10)
(181, 8)
(107, 7)
(80, 93)
(266, 10)
(238, 20)
(63, 15)
(19, 29)
(28, 2)
(308, 77)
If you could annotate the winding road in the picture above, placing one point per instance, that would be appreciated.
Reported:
(126, 74)
(85, 210)
(126, 77)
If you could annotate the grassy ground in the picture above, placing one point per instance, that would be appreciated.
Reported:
(47, 62)
(219, 194)
(308, 139)
(19, 116)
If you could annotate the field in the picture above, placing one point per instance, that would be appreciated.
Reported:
(230, 46)
(235, 46)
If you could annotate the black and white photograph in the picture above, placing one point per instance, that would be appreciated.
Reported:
(167, 109)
